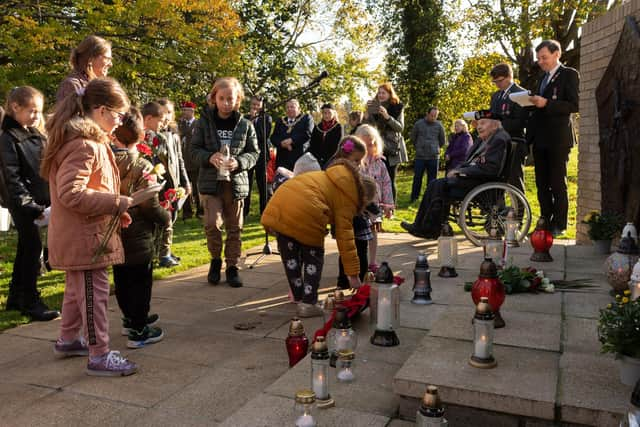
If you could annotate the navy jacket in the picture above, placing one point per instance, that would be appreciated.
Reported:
(300, 133)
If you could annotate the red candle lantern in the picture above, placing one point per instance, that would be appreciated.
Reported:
(489, 285)
(541, 240)
(297, 342)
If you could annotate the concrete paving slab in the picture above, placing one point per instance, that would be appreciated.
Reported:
(219, 394)
(16, 347)
(523, 383)
(154, 417)
(542, 330)
(409, 340)
(16, 398)
(590, 391)
(157, 379)
(262, 322)
(420, 316)
(39, 330)
(41, 368)
(274, 411)
(220, 295)
(534, 303)
(400, 423)
(371, 391)
(585, 304)
(581, 336)
(71, 409)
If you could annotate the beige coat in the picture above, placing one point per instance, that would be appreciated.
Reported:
(85, 186)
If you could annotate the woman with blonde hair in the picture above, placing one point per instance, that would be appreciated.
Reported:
(386, 113)
(90, 60)
(459, 143)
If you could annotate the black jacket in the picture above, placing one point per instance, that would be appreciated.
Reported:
(260, 127)
(485, 160)
(514, 116)
(26, 193)
(551, 126)
(244, 148)
(300, 133)
(325, 144)
(137, 239)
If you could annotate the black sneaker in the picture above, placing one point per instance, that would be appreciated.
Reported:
(40, 312)
(148, 335)
(214, 271)
(233, 279)
(127, 327)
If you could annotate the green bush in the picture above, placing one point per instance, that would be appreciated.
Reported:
(603, 226)
(619, 327)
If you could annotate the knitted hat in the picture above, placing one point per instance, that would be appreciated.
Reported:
(188, 104)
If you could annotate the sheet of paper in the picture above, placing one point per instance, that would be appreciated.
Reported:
(521, 98)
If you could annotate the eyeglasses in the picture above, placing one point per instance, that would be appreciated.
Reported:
(496, 81)
(120, 116)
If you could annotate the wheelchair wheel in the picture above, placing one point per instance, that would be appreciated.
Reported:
(492, 201)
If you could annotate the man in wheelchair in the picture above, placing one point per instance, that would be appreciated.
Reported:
(485, 162)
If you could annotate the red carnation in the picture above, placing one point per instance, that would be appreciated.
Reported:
(144, 149)
(171, 195)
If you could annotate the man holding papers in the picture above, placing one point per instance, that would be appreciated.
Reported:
(551, 132)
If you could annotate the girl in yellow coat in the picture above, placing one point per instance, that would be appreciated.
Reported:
(299, 212)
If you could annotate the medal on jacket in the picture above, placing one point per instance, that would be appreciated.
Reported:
(505, 109)
(291, 125)
(555, 93)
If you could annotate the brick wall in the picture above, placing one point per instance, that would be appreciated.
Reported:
(599, 39)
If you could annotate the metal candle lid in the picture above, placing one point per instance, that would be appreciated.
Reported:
(346, 355)
(488, 269)
(627, 246)
(330, 302)
(384, 273)
(339, 296)
(422, 262)
(431, 405)
(446, 230)
(484, 310)
(305, 396)
(542, 224)
(296, 328)
(319, 349)
(341, 319)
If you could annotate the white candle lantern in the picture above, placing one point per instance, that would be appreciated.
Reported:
(385, 308)
(320, 373)
(422, 282)
(512, 225)
(447, 252)
(346, 361)
(631, 231)
(431, 412)
(341, 336)
(495, 248)
(304, 408)
(634, 283)
(483, 328)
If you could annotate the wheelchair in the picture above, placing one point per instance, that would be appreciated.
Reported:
(490, 203)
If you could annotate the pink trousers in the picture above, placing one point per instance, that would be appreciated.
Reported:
(84, 307)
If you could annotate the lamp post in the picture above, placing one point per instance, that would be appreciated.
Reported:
(483, 328)
(512, 225)
(447, 252)
(341, 336)
(297, 342)
(305, 408)
(431, 412)
(320, 373)
(619, 264)
(421, 282)
(385, 302)
(541, 240)
(489, 285)
(495, 248)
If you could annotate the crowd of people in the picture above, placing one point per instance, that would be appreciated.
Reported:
(109, 179)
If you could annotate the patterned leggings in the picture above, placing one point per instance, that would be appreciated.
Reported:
(296, 257)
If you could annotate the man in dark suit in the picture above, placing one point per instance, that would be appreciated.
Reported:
(513, 120)
(263, 125)
(551, 132)
(484, 163)
(186, 126)
(292, 135)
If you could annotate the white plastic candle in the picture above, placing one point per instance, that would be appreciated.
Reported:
(384, 314)
(481, 347)
(320, 386)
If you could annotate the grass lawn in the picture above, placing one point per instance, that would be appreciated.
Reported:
(190, 245)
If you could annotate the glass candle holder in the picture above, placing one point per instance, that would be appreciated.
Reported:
(483, 330)
(223, 170)
(447, 252)
(320, 373)
(346, 361)
(305, 408)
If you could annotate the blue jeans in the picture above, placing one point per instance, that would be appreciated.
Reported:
(419, 168)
